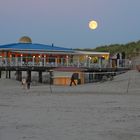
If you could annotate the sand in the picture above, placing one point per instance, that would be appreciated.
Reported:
(97, 111)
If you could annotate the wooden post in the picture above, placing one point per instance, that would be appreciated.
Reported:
(51, 77)
(20, 75)
(0, 74)
(40, 76)
(29, 75)
(9, 74)
(6, 74)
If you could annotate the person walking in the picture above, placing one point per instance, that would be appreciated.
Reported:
(73, 78)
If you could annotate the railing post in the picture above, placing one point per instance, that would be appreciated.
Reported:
(89, 59)
(21, 59)
(33, 60)
(56, 62)
(16, 61)
(44, 60)
(86, 58)
(78, 62)
(5, 60)
(62, 61)
(39, 60)
(100, 62)
(118, 63)
(67, 61)
(110, 63)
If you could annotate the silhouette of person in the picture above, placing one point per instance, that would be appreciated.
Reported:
(28, 81)
(73, 78)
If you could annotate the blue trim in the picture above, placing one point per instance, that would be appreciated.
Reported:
(30, 46)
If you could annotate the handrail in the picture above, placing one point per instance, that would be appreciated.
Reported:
(62, 62)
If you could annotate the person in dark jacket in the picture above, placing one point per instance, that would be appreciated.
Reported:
(73, 78)
(28, 81)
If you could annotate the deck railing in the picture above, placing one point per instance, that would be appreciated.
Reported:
(62, 62)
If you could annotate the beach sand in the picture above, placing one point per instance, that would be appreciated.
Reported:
(97, 111)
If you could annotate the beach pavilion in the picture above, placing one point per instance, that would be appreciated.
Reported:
(26, 53)
(28, 56)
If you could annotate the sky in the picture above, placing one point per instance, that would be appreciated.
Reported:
(65, 22)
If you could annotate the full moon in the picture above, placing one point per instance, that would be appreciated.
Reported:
(93, 25)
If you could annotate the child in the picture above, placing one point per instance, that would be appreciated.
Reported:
(23, 83)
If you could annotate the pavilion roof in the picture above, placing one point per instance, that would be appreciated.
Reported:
(33, 47)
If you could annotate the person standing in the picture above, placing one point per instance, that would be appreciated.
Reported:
(23, 83)
(28, 81)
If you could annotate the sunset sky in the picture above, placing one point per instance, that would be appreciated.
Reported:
(65, 22)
